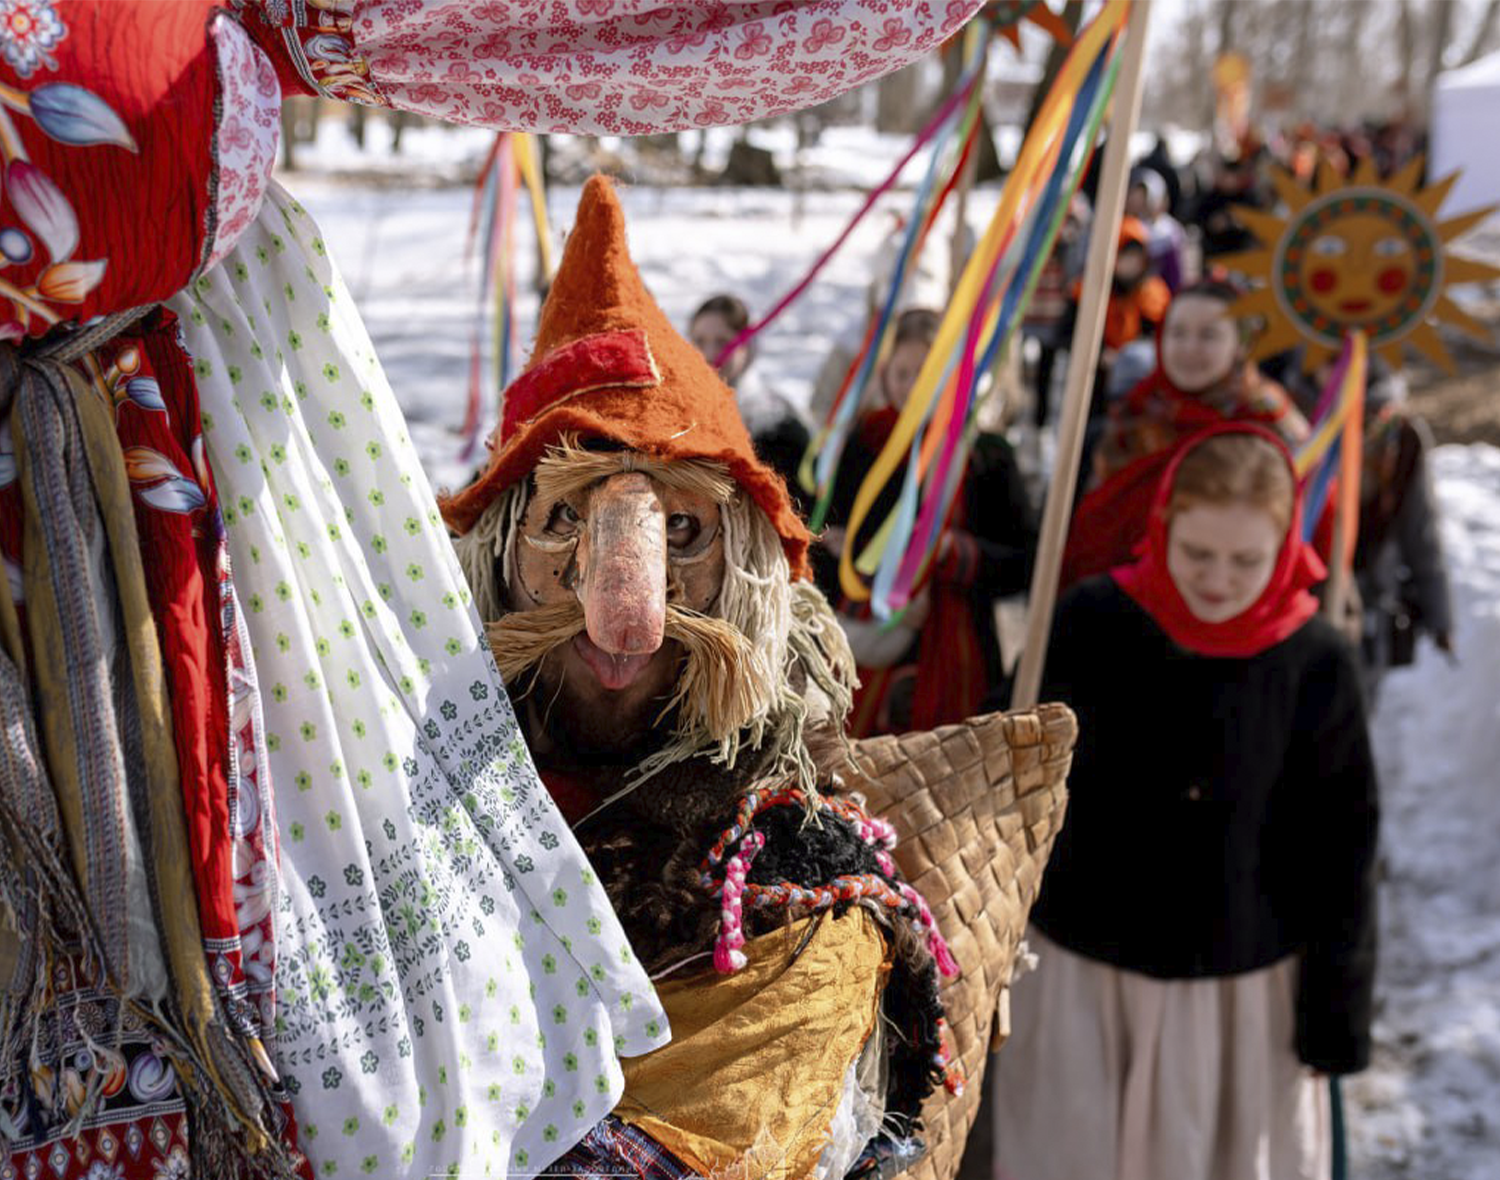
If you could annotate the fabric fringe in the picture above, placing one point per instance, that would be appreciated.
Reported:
(80, 471)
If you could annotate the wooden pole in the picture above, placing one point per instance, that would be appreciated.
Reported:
(1083, 358)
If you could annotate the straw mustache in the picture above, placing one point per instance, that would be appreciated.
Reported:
(714, 692)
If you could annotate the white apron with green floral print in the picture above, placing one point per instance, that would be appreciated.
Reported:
(454, 987)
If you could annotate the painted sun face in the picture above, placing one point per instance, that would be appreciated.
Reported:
(1364, 268)
(1362, 255)
(1365, 260)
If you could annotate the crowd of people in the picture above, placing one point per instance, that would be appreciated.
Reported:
(1206, 925)
(346, 830)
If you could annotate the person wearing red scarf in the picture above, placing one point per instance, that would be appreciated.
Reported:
(941, 662)
(1203, 376)
(1206, 924)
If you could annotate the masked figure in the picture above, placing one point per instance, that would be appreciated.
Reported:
(682, 687)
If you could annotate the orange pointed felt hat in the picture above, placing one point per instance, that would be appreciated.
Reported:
(608, 364)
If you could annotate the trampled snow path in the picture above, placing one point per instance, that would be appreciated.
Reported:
(1430, 1107)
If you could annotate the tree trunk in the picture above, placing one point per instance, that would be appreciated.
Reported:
(289, 136)
(1406, 31)
(1304, 57)
(896, 105)
(1440, 27)
(1483, 31)
(1072, 14)
(1227, 12)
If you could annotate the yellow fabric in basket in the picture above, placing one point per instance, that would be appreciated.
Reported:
(750, 1082)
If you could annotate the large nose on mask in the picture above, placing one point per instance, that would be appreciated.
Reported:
(623, 574)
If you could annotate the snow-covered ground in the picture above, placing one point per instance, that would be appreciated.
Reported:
(1430, 1107)
(403, 256)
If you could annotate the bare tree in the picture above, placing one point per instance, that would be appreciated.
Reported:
(1440, 29)
(1484, 32)
(897, 100)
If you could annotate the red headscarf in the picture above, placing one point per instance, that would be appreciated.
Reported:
(1283, 606)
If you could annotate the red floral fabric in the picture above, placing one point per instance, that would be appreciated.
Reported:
(107, 157)
(618, 67)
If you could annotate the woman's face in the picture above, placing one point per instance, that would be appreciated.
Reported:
(901, 370)
(1200, 343)
(1221, 557)
(711, 335)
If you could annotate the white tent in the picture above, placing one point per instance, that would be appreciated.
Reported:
(1465, 114)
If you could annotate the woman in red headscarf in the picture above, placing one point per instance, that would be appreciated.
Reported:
(1206, 925)
(1203, 376)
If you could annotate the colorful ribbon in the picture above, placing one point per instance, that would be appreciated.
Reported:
(960, 94)
(1339, 418)
(512, 164)
(932, 433)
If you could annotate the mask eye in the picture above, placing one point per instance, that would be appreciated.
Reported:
(1390, 248)
(682, 529)
(563, 522)
(1329, 246)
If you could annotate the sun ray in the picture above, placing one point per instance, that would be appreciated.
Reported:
(1006, 19)
(1457, 226)
(1317, 356)
(1053, 24)
(1292, 194)
(1358, 254)
(1250, 262)
(1458, 269)
(1265, 226)
(1448, 312)
(1390, 354)
(1328, 178)
(1424, 338)
(1408, 177)
(1259, 301)
(1431, 198)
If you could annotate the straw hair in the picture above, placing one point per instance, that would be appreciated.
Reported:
(1235, 469)
(713, 679)
(568, 468)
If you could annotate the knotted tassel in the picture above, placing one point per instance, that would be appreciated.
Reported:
(935, 941)
(728, 957)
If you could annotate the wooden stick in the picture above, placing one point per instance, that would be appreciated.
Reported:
(1083, 359)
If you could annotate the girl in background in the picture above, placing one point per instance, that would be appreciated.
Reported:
(1206, 925)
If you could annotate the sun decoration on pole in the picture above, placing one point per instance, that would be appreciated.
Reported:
(1006, 16)
(1362, 254)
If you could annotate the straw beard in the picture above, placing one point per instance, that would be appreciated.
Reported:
(715, 694)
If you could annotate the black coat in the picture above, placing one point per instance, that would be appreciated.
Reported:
(1222, 813)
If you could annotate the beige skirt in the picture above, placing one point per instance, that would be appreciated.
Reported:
(1114, 1075)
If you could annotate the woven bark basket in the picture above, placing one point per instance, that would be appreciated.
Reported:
(976, 806)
